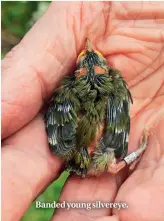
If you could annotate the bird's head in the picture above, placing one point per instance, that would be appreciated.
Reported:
(90, 57)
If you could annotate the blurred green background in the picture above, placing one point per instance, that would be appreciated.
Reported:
(16, 19)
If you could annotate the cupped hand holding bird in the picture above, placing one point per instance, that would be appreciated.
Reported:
(130, 36)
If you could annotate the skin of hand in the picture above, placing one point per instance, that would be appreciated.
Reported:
(131, 36)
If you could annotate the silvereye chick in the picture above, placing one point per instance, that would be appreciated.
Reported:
(88, 121)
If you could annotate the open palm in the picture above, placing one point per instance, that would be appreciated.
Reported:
(131, 37)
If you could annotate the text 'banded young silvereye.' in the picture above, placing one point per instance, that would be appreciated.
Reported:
(88, 121)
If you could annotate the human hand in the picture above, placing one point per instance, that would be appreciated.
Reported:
(130, 36)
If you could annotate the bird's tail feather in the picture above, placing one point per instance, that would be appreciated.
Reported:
(80, 163)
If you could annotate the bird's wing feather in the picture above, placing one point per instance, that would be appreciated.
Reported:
(117, 126)
(117, 117)
(61, 122)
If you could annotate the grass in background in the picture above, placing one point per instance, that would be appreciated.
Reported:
(51, 194)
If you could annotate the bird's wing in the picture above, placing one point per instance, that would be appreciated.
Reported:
(61, 121)
(117, 117)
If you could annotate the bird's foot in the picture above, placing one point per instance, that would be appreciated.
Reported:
(132, 159)
(116, 167)
(136, 155)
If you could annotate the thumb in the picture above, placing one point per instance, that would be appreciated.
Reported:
(32, 69)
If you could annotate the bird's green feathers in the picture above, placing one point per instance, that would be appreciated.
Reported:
(61, 120)
(78, 107)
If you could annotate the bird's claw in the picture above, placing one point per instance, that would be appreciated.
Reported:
(116, 167)
(134, 156)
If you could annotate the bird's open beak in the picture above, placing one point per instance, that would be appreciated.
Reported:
(88, 46)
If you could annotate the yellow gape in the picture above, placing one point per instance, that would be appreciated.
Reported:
(81, 54)
(99, 53)
(84, 51)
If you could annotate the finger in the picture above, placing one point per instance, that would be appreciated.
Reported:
(146, 182)
(27, 168)
(32, 69)
(139, 10)
(88, 190)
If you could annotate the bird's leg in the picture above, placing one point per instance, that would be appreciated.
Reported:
(133, 158)
(114, 168)
(143, 145)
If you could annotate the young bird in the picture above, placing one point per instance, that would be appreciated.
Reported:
(88, 121)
